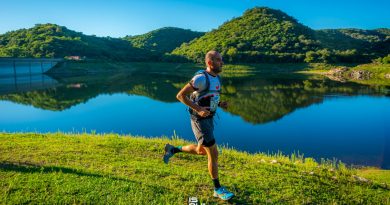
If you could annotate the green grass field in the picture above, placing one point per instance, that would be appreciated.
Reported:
(63, 168)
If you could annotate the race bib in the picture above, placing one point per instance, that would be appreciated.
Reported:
(214, 101)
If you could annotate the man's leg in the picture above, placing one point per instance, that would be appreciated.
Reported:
(219, 191)
(212, 155)
(194, 149)
(170, 150)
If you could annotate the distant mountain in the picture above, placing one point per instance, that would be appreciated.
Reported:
(163, 40)
(267, 35)
(51, 40)
(261, 34)
(365, 41)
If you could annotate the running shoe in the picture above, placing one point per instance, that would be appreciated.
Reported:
(223, 193)
(168, 153)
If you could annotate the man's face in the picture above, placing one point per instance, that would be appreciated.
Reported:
(216, 64)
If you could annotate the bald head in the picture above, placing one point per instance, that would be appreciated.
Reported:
(211, 55)
(214, 61)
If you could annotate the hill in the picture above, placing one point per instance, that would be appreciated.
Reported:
(51, 40)
(372, 43)
(163, 40)
(362, 40)
(260, 35)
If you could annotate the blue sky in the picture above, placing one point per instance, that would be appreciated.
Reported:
(118, 18)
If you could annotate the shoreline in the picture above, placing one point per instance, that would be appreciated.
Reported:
(367, 74)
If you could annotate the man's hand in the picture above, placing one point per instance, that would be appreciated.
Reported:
(203, 112)
(223, 105)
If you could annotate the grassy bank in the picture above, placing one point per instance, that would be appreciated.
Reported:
(379, 73)
(83, 168)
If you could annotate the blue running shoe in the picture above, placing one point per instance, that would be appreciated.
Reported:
(223, 193)
(168, 153)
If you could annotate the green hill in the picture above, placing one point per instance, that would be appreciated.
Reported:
(163, 40)
(369, 42)
(362, 40)
(260, 35)
(266, 35)
(50, 40)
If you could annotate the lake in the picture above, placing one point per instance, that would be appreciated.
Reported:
(268, 112)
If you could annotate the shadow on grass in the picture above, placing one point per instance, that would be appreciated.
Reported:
(34, 168)
(238, 201)
(26, 167)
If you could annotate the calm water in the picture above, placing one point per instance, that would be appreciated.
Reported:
(24, 68)
(267, 113)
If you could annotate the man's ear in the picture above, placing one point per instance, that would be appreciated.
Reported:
(209, 63)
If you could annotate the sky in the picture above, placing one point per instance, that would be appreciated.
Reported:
(118, 18)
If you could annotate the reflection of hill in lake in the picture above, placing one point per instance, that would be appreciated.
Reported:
(257, 99)
(50, 99)
(75, 90)
(263, 105)
(260, 100)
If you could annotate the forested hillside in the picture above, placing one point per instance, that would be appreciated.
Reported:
(50, 40)
(267, 35)
(163, 40)
(260, 35)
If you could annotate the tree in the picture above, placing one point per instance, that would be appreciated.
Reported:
(311, 57)
(386, 60)
(232, 53)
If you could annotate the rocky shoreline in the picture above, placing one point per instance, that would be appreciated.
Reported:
(344, 73)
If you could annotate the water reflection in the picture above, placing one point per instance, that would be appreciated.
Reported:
(26, 83)
(265, 114)
(256, 98)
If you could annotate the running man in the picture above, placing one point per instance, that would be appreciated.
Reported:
(204, 90)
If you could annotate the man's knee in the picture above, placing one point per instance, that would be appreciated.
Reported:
(200, 150)
(213, 152)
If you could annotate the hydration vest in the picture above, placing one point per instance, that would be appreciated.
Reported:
(206, 98)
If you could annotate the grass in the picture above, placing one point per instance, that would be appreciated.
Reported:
(375, 174)
(111, 169)
(378, 72)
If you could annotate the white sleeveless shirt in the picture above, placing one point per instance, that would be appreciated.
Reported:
(198, 82)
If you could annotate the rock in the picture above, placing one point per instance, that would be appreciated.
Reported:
(337, 71)
(337, 74)
(337, 78)
(274, 161)
(361, 179)
(360, 75)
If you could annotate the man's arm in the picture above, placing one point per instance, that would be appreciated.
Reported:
(182, 97)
